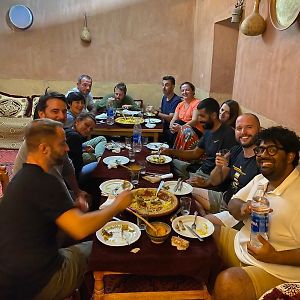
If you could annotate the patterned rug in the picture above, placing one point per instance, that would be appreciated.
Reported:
(7, 158)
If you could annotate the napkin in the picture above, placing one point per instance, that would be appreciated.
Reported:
(112, 166)
(110, 199)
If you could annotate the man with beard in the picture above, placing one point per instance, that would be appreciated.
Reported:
(168, 105)
(216, 136)
(84, 86)
(34, 206)
(53, 106)
(236, 168)
(254, 270)
(119, 98)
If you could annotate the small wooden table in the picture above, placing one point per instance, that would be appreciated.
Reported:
(115, 129)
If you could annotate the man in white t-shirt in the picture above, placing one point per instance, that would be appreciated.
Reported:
(252, 271)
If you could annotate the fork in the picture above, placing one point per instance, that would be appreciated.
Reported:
(194, 224)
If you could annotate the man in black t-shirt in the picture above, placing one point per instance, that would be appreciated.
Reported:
(34, 206)
(238, 167)
(216, 136)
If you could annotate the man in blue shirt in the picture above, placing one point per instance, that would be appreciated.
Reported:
(169, 102)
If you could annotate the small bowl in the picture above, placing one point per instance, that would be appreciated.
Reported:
(163, 231)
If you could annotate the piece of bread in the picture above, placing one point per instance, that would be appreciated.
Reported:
(179, 243)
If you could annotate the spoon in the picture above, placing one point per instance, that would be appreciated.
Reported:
(194, 224)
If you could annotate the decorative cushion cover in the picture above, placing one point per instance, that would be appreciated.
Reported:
(35, 100)
(12, 132)
(13, 106)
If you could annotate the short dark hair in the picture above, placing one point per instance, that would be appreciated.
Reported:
(169, 77)
(189, 84)
(84, 76)
(234, 111)
(42, 104)
(84, 115)
(121, 86)
(282, 136)
(40, 130)
(74, 96)
(210, 105)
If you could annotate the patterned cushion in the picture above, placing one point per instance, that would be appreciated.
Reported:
(12, 132)
(35, 100)
(13, 106)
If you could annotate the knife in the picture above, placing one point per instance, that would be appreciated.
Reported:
(194, 233)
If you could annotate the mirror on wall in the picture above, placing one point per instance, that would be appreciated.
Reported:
(19, 17)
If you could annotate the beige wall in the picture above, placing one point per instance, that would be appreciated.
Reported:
(140, 41)
(132, 41)
(267, 70)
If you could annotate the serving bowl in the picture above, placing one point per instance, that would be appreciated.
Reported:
(162, 233)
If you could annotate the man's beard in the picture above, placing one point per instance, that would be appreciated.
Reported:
(208, 125)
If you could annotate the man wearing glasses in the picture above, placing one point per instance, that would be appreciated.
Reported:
(252, 271)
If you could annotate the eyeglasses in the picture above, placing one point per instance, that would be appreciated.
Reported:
(271, 150)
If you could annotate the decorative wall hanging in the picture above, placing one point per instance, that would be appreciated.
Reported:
(85, 34)
(237, 12)
(283, 13)
(19, 17)
(254, 24)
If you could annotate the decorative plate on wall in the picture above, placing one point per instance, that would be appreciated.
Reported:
(283, 13)
(19, 17)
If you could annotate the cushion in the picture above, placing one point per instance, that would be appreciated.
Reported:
(12, 132)
(35, 100)
(13, 106)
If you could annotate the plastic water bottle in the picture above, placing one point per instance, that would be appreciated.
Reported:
(259, 217)
(137, 137)
(110, 112)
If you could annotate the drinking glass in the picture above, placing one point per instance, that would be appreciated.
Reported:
(135, 177)
(141, 224)
(185, 204)
(145, 140)
(128, 143)
(131, 155)
(143, 167)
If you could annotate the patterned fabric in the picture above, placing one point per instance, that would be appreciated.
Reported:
(186, 138)
(11, 106)
(283, 291)
(12, 132)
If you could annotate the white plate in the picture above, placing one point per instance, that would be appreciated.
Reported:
(112, 146)
(130, 112)
(122, 160)
(156, 146)
(204, 227)
(149, 114)
(153, 120)
(118, 239)
(186, 188)
(150, 125)
(114, 186)
(101, 117)
(151, 159)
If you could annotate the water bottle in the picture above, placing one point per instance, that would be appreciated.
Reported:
(110, 112)
(259, 217)
(137, 137)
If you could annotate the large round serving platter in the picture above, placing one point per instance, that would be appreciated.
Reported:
(283, 13)
(147, 204)
(118, 233)
(129, 121)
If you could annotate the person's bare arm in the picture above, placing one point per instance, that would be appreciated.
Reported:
(220, 172)
(184, 154)
(194, 120)
(174, 118)
(239, 209)
(79, 225)
(268, 254)
(166, 117)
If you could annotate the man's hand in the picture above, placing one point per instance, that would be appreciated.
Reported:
(123, 200)
(221, 161)
(175, 128)
(198, 181)
(89, 149)
(263, 253)
(83, 201)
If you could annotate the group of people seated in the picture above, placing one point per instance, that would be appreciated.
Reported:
(223, 154)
